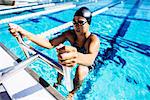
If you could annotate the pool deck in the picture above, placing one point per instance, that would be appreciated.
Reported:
(19, 85)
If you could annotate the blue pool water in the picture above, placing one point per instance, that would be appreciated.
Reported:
(122, 68)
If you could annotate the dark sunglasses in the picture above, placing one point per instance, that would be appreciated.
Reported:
(81, 23)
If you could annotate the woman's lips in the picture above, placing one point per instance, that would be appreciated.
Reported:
(77, 30)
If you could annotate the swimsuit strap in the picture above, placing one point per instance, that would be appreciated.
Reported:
(79, 49)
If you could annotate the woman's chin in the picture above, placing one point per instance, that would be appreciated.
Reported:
(78, 31)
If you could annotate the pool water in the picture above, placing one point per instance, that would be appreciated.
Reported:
(122, 68)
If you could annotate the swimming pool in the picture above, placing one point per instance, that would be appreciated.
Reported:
(122, 70)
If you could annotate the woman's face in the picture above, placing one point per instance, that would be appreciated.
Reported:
(80, 25)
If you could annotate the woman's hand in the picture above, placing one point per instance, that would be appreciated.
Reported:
(67, 55)
(15, 29)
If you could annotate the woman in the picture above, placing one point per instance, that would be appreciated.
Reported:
(83, 50)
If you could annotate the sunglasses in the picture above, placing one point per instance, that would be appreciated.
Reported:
(80, 23)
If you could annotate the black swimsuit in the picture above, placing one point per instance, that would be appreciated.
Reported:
(81, 50)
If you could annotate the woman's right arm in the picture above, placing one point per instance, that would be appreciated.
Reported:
(15, 29)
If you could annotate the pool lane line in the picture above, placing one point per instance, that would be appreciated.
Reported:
(24, 9)
(83, 4)
(117, 16)
(53, 30)
(54, 9)
(100, 11)
(21, 6)
(110, 5)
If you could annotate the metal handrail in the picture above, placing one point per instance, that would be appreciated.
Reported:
(66, 71)
(23, 66)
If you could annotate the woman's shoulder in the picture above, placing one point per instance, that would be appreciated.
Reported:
(94, 37)
(68, 33)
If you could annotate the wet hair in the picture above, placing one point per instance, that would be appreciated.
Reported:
(84, 12)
